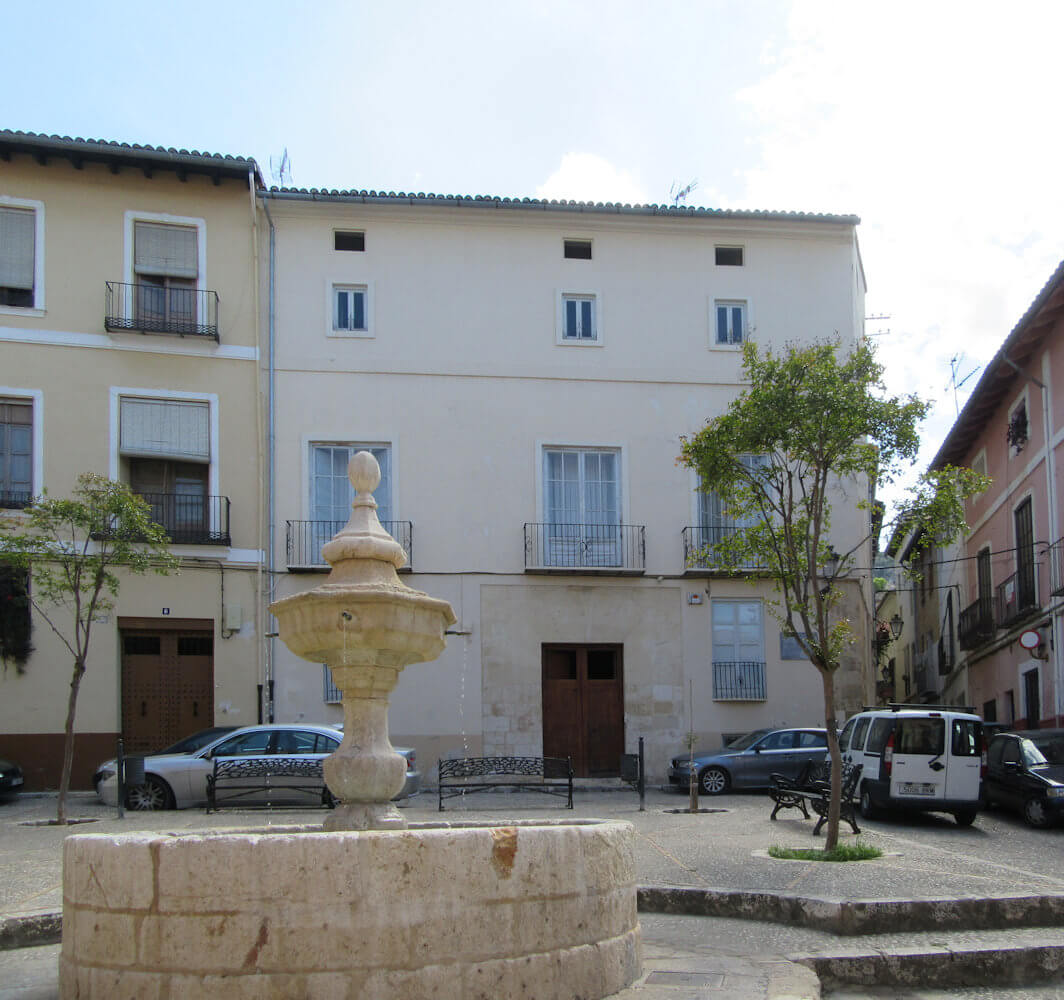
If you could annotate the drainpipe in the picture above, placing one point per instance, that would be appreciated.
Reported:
(270, 447)
(260, 577)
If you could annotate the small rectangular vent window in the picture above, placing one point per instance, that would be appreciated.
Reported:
(578, 249)
(349, 241)
(729, 256)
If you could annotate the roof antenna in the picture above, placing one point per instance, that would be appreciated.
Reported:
(678, 194)
(954, 364)
(281, 169)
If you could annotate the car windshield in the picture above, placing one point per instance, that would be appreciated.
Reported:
(747, 741)
(190, 744)
(1032, 756)
(1051, 747)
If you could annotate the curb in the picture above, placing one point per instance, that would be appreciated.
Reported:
(851, 917)
(937, 967)
(31, 930)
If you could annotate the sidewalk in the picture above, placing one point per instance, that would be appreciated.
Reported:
(929, 860)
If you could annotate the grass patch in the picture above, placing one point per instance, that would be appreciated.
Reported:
(858, 851)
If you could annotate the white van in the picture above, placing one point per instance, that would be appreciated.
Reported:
(930, 758)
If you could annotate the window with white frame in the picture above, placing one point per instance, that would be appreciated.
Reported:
(715, 523)
(579, 320)
(738, 650)
(582, 507)
(16, 452)
(729, 319)
(165, 275)
(331, 491)
(350, 314)
(19, 265)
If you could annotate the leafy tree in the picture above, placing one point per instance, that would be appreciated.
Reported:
(817, 422)
(72, 549)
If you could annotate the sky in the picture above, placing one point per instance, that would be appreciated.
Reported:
(936, 122)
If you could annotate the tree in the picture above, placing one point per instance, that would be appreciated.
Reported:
(810, 424)
(71, 549)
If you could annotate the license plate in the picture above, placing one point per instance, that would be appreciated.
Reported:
(917, 788)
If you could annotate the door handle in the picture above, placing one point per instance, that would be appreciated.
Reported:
(936, 766)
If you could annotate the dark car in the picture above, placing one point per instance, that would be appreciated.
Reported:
(749, 761)
(1025, 772)
(11, 779)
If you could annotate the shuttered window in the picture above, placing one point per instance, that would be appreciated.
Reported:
(162, 428)
(18, 227)
(161, 250)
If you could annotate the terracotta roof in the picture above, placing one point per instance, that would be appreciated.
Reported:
(999, 376)
(118, 154)
(494, 201)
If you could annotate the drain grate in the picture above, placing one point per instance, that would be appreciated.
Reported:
(714, 980)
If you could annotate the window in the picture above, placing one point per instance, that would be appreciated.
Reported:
(349, 308)
(582, 507)
(990, 710)
(738, 651)
(728, 256)
(807, 740)
(165, 273)
(877, 737)
(789, 648)
(730, 322)
(1025, 563)
(858, 740)
(578, 318)
(330, 693)
(923, 737)
(717, 524)
(16, 452)
(246, 745)
(331, 492)
(1018, 430)
(847, 732)
(343, 240)
(19, 234)
(578, 249)
(965, 738)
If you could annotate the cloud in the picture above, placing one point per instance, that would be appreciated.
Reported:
(587, 177)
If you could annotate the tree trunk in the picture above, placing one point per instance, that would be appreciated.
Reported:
(68, 741)
(832, 838)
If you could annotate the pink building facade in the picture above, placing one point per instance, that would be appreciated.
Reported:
(1010, 627)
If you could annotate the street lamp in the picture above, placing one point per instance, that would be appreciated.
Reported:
(896, 625)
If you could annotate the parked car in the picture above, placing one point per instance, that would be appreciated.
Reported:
(922, 758)
(1025, 772)
(749, 761)
(179, 780)
(189, 744)
(11, 779)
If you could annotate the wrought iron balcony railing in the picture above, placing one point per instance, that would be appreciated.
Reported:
(1015, 599)
(190, 519)
(143, 308)
(947, 655)
(738, 680)
(304, 539)
(15, 499)
(575, 548)
(703, 549)
(976, 624)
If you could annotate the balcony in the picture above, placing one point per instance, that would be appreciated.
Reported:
(703, 550)
(15, 499)
(1016, 599)
(304, 539)
(605, 549)
(190, 519)
(187, 312)
(738, 681)
(976, 624)
(1056, 567)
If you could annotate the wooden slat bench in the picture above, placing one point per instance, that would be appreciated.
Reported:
(463, 775)
(247, 783)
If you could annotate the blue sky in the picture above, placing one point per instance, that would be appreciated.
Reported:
(937, 123)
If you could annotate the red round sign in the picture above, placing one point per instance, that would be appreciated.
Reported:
(1030, 639)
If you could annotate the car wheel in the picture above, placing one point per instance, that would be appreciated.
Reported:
(153, 794)
(964, 817)
(714, 781)
(1034, 811)
(869, 810)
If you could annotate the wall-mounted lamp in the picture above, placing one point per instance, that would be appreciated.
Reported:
(896, 625)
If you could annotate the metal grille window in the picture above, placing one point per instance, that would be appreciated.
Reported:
(331, 694)
(738, 651)
(18, 233)
(16, 452)
(582, 505)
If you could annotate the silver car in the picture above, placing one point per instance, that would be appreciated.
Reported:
(179, 781)
(749, 761)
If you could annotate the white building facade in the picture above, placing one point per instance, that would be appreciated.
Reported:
(524, 372)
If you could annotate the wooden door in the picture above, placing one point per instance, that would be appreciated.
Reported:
(583, 707)
(167, 686)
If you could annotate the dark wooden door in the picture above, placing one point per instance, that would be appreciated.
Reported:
(583, 707)
(167, 686)
(1033, 697)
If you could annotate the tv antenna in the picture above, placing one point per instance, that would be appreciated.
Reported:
(678, 194)
(880, 319)
(281, 168)
(954, 364)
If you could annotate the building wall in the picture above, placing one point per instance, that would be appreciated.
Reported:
(62, 358)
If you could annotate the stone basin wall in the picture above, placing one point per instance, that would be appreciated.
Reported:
(543, 910)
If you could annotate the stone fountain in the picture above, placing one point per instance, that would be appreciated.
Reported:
(364, 906)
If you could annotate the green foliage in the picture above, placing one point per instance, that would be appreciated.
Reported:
(857, 851)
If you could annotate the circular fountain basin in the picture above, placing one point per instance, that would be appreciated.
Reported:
(531, 909)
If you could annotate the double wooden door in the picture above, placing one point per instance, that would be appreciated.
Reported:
(583, 707)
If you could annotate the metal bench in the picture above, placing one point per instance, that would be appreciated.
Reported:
(463, 775)
(256, 782)
(787, 793)
(818, 794)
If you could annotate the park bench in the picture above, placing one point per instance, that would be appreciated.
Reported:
(463, 775)
(787, 793)
(266, 782)
(817, 793)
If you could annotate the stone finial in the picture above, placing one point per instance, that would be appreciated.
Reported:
(364, 471)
